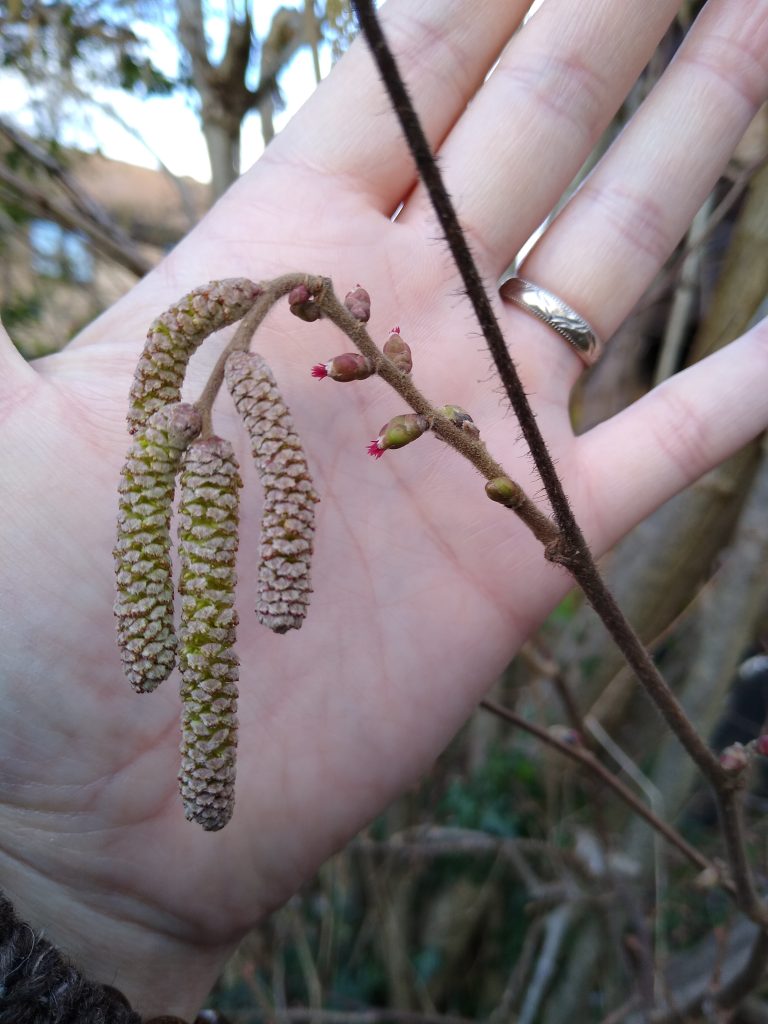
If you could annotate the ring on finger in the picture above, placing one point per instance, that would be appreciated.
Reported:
(558, 315)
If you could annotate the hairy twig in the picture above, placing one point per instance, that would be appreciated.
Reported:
(570, 549)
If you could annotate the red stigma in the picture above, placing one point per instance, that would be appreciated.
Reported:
(319, 371)
(374, 450)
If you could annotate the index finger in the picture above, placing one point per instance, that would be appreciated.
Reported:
(444, 48)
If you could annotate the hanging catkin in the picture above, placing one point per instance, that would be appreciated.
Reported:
(176, 334)
(144, 603)
(288, 520)
(208, 518)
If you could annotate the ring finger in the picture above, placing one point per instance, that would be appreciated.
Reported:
(606, 246)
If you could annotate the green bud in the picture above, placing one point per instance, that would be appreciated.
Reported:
(503, 490)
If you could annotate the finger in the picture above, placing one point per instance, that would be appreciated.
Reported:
(444, 49)
(688, 425)
(607, 245)
(15, 372)
(557, 86)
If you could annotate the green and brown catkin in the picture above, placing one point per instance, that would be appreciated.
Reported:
(176, 334)
(208, 519)
(144, 603)
(288, 519)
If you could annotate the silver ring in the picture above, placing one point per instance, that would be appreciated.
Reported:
(556, 314)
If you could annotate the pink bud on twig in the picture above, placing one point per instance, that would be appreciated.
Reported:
(303, 304)
(358, 302)
(734, 758)
(347, 367)
(398, 351)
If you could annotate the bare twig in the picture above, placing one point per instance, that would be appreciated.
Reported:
(577, 753)
(110, 241)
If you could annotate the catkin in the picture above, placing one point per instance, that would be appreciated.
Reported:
(208, 517)
(174, 337)
(288, 519)
(144, 603)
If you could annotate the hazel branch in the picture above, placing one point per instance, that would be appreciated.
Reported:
(466, 444)
(570, 548)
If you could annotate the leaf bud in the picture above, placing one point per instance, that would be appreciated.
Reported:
(398, 432)
(358, 302)
(346, 367)
(398, 351)
(503, 490)
(460, 418)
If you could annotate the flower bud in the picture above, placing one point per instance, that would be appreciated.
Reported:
(358, 302)
(346, 367)
(398, 432)
(761, 745)
(734, 758)
(398, 351)
(303, 305)
(503, 490)
(288, 515)
(144, 601)
(208, 518)
(176, 334)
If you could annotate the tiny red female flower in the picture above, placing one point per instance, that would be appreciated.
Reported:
(398, 432)
(346, 367)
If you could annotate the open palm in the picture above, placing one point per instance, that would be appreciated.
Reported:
(423, 588)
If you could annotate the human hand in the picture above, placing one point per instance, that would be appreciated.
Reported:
(423, 588)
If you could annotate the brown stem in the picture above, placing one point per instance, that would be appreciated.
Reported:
(472, 448)
(730, 806)
(571, 549)
(576, 752)
(584, 570)
(272, 291)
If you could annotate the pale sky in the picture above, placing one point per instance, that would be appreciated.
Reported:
(169, 125)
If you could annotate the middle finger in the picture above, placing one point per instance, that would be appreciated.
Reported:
(557, 86)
